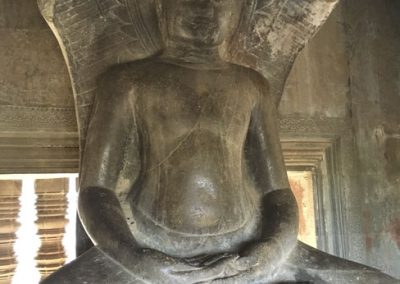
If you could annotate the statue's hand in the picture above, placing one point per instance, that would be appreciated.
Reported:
(155, 267)
(209, 268)
(258, 262)
(150, 266)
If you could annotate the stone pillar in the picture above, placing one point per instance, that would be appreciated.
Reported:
(10, 191)
(51, 208)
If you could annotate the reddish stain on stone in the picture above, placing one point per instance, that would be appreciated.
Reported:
(369, 241)
(394, 230)
(367, 221)
(298, 192)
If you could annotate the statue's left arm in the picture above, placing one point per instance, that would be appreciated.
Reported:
(266, 163)
(279, 211)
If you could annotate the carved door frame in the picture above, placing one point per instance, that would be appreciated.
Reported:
(326, 172)
(323, 147)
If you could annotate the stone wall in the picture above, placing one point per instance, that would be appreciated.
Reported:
(316, 114)
(348, 77)
(373, 39)
(37, 117)
(318, 83)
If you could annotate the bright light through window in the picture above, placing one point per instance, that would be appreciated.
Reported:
(28, 242)
(301, 183)
(69, 241)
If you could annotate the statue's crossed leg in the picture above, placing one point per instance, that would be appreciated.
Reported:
(306, 265)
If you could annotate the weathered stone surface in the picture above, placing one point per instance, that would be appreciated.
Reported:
(392, 156)
(317, 85)
(20, 15)
(32, 72)
(373, 38)
(37, 113)
(183, 178)
(308, 264)
(25, 149)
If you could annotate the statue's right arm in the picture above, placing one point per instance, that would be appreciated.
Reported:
(110, 127)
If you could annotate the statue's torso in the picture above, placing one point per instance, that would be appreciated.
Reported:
(194, 186)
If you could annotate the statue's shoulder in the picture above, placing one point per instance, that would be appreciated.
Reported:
(252, 80)
(132, 72)
(250, 75)
(117, 82)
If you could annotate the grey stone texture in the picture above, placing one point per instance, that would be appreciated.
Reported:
(38, 131)
(344, 87)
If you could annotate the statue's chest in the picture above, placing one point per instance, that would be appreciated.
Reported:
(178, 110)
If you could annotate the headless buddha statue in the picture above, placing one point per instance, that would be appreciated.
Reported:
(183, 179)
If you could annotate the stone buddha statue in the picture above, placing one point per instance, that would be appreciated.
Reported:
(183, 179)
(206, 182)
